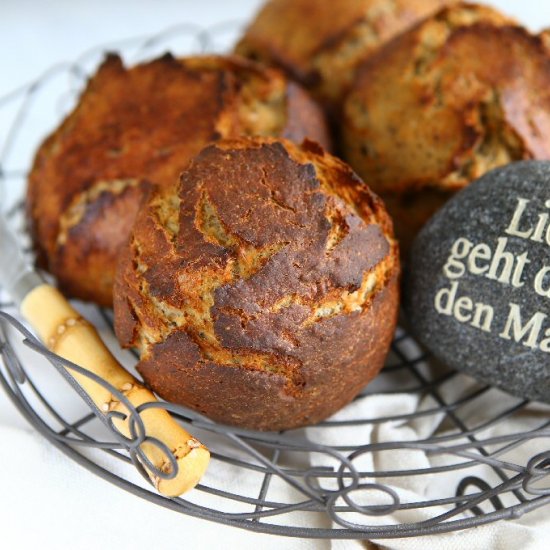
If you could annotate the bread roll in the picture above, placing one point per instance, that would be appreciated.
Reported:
(135, 127)
(321, 42)
(464, 92)
(265, 293)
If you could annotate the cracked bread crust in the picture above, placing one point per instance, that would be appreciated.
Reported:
(137, 127)
(265, 294)
(464, 92)
(322, 42)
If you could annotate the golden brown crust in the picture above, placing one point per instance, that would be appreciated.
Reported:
(321, 42)
(138, 127)
(265, 294)
(464, 92)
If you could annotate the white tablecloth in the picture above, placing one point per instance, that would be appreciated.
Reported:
(59, 505)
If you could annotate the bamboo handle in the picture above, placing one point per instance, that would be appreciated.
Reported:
(70, 336)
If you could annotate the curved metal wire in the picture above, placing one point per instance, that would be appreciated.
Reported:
(338, 486)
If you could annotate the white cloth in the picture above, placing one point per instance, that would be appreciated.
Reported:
(530, 532)
(49, 502)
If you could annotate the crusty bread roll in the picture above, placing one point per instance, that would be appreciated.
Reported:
(140, 126)
(464, 92)
(321, 42)
(265, 293)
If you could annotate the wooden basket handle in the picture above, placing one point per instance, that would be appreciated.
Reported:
(70, 336)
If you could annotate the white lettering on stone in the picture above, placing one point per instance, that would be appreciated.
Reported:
(513, 228)
(454, 268)
(545, 344)
(502, 265)
(480, 252)
(464, 309)
(449, 295)
(530, 331)
(540, 279)
(537, 233)
(501, 255)
(483, 317)
(522, 261)
(539, 230)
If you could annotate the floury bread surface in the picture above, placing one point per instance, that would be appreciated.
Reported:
(265, 293)
(322, 42)
(136, 127)
(464, 92)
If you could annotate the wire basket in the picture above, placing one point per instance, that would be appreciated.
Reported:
(446, 453)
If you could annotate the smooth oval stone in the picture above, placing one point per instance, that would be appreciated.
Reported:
(477, 288)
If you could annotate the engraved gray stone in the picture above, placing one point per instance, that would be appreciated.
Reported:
(477, 285)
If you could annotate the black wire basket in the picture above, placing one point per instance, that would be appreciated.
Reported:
(458, 458)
